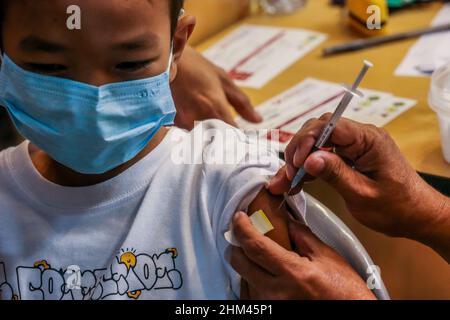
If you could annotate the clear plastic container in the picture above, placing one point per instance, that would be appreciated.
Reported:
(439, 101)
(275, 7)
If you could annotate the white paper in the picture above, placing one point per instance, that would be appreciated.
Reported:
(430, 52)
(254, 55)
(312, 98)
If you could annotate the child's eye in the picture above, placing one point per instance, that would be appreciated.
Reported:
(47, 68)
(131, 66)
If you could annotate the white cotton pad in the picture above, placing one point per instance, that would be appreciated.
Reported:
(261, 223)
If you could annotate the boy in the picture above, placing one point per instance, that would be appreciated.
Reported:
(96, 204)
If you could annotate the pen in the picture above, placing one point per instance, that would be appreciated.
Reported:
(368, 43)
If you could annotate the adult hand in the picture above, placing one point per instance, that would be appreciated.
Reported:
(314, 271)
(203, 91)
(380, 188)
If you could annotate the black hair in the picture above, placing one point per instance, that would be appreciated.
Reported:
(175, 7)
(175, 10)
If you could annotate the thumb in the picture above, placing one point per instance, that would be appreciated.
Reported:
(240, 101)
(332, 169)
(280, 183)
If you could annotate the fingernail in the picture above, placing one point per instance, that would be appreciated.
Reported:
(258, 117)
(295, 160)
(320, 162)
(238, 215)
(290, 172)
(317, 162)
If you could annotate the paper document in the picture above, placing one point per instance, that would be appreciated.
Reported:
(253, 55)
(430, 52)
(312, 98)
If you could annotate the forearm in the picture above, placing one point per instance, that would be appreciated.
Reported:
(434, 229)
(439, 239)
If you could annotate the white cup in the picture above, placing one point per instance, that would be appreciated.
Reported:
(439, 101)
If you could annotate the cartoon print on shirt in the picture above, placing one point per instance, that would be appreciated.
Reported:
(129, 260)
(129, 275)
(6, 290)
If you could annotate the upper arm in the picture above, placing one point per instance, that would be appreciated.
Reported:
(270, 204)
(278, 216)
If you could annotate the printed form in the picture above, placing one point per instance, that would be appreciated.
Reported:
(311, 98)
(430, 52)
(253, 55)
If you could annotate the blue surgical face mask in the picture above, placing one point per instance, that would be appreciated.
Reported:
(87, 128)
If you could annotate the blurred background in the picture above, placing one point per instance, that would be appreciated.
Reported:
(409, 269)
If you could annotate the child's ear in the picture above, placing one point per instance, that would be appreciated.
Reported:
(185, 27)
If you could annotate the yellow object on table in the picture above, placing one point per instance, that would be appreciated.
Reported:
(365, 13)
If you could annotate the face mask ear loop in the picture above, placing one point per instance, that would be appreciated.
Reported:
(182, 12)
(170, 58)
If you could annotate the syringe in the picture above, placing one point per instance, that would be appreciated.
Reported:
(331, 125)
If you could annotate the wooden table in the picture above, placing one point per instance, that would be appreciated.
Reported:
(416, 132)
(410, 270)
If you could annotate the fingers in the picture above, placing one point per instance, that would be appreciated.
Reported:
(301, 145)
(280, 183)
(224, 113)
(332, 169)
(239, 101)
(213, 107)
(350, 138)
(251, 272)
(295, 154)
(214, 97)
(261, 250)
(205, 108)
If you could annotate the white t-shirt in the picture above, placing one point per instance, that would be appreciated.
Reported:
(156, 231)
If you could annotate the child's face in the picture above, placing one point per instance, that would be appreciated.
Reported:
(119, 40)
